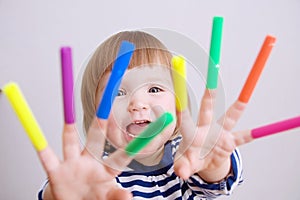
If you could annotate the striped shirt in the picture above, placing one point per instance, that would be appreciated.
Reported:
(160, 181)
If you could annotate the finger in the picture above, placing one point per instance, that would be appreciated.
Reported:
(153, 129)
(114, 81)
(23, 112)
(214, 53)
(67, 84)
(188, 130)
(257, 69)
(118, 194)
(276, 127)
(48, 159)
(121, 158)
(232, 115)
(207, 108)
(242, 137)
(207, 103)
(187, 127)
(71, 145)
(117, 162)
(96, 137)
(179, 81)
(192, 139)
(97, 130)
(182, 167)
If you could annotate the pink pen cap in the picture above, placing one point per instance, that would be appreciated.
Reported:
(276, 127)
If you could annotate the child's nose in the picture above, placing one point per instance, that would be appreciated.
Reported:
(138, 107)
(138, 103)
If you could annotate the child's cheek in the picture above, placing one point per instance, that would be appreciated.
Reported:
(119, 110)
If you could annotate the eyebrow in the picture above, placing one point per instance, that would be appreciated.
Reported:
(158, 80)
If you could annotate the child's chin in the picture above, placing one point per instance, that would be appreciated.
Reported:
(148, 151)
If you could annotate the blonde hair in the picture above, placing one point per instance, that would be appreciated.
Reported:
(148, 50)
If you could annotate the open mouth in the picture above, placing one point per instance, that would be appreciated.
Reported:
(135, 128)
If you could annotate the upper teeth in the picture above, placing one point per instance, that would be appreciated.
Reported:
(141, 122)
(131, 135)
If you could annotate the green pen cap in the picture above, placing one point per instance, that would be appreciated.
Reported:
(214, 53)
(153, 129)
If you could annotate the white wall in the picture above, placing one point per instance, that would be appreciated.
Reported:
(33, 31)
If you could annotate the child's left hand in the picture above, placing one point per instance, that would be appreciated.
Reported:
(206, 148)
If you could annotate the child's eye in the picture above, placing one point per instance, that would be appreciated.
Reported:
(154, 90)
(121, 92)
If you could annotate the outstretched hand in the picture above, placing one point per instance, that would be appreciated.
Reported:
(207, 146)
(84, 174)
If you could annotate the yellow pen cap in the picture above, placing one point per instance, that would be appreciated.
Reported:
(179, 81)
(22, 110)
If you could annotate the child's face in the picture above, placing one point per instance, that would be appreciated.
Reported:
(142, 89)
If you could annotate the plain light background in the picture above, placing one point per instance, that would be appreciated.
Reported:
(32, 32)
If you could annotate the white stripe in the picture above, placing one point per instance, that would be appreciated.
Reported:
(154, 188)
(143, 178)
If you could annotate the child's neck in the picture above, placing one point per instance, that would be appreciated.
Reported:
(152, 159)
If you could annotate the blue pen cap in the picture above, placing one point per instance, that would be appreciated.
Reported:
(121, 64)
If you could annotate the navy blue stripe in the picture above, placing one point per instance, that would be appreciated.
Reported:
(195, 183)
(231, 179)
(40, 195)
(184, 187)
(191, 197)
(237, 154)
(178, 139)
(200, 192)
(156, 193)
(152, 173)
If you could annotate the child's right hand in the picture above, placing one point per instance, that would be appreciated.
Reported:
(84, 174)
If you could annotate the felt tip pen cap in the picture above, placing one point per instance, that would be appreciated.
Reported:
(67, 84)
(179, 81)
(153, 129)
(257, 69)
(23, 112)
(214, 53)
(114, 81)
(276, 127)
